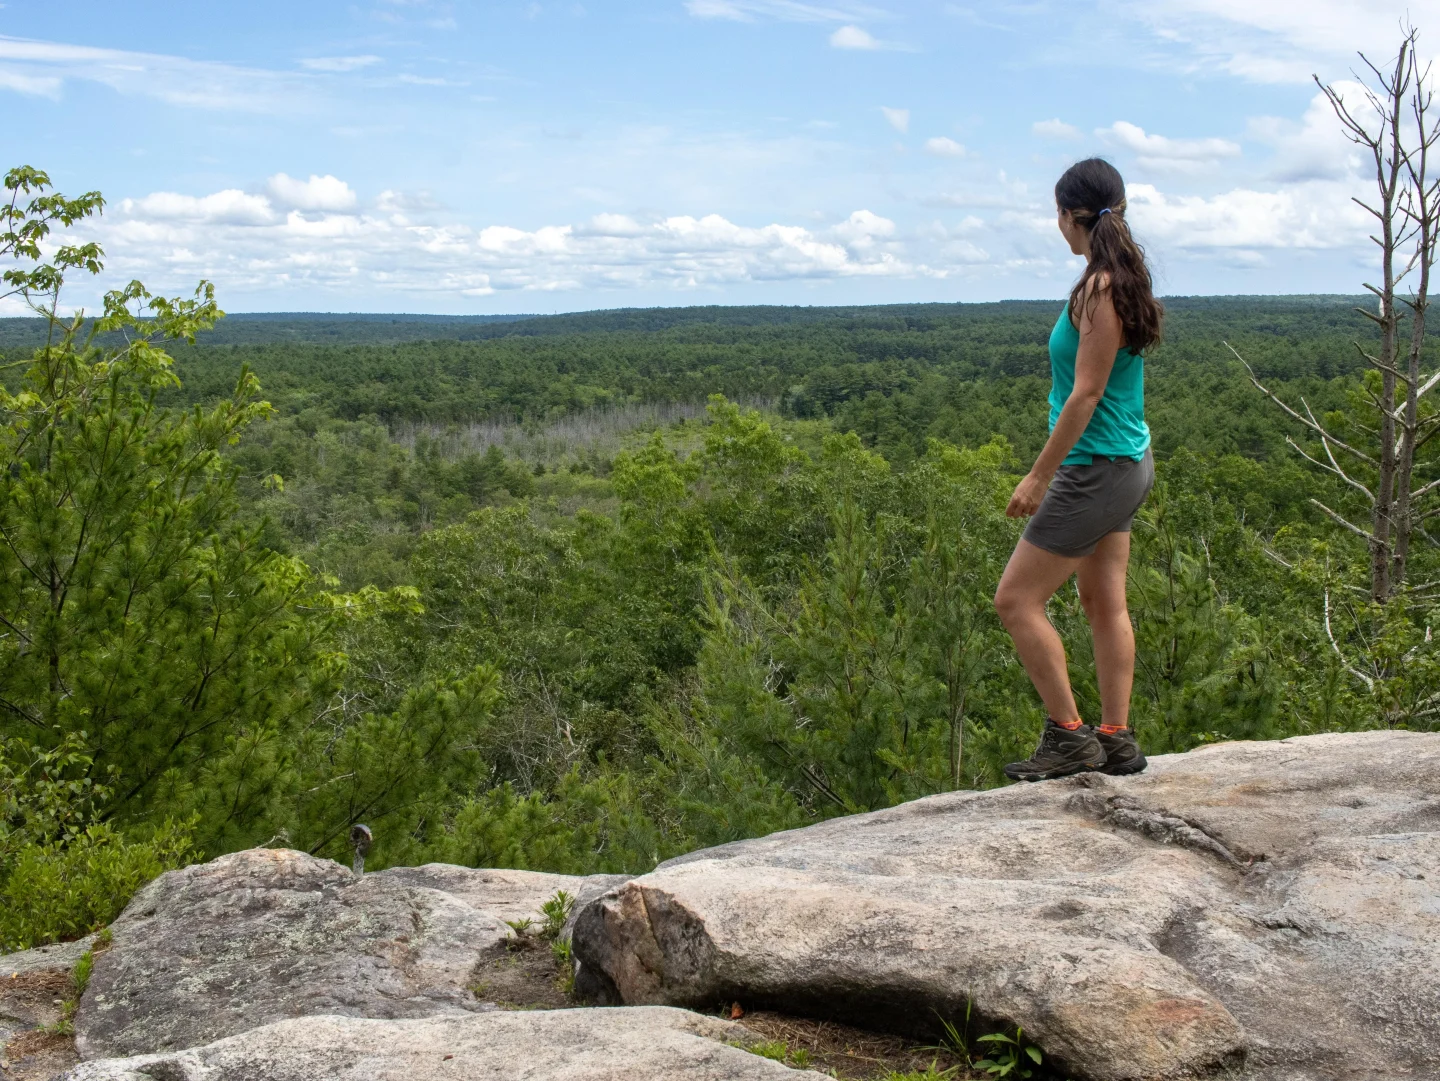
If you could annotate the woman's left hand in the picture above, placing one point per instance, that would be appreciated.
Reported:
(1028, 494)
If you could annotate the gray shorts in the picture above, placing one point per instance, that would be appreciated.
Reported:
(1086, 503)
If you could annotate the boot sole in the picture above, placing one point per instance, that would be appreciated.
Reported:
(1126, 769)
(1059, 771)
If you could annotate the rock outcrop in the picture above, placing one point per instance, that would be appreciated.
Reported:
(543, 1045)
(220, 948)
(1261, 910)
(1267, 906)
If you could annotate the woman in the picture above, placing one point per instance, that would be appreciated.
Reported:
(1087, 484)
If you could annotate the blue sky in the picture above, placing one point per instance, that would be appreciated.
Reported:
(533, 156)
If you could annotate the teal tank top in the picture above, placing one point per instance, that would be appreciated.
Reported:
(1118, 428)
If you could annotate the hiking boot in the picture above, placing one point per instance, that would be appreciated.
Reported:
(1122, 753)
(1062, 751)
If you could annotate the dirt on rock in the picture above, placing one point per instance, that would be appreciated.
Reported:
(848, 1053)
(521, 974)
(37, 1055)
(31, 1002)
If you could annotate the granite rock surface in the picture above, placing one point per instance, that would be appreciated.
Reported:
(542, 1045)
(1266, 908)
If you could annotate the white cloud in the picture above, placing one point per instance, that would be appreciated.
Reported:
(1162, 153)
(1284, 40)
(229, 207)
(46, 86)
(784, 10)
(852, 37)
(1055, 129)
(944, 147)
(251, 242)
(404, 203)
(427, 80)
(899, 119)
(317, 193)
(262, 243)
(717, 9)
(1314, 215)
(620, 225)
(43, 67)
(863, 229)
(1316, 148)
(339, 63)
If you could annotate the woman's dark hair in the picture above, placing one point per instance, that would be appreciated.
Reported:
(1088, 190)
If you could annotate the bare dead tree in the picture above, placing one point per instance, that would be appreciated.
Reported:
(1397, 135)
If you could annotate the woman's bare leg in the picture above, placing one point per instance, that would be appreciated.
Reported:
(1101, 581)
(1031, 578)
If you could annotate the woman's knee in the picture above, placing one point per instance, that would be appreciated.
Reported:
(1103, 600)
(1011, 603)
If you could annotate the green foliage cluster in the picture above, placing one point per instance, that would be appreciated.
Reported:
(226, 622)
(64, 872)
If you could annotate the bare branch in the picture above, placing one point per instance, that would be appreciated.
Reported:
(1364, 534)
(1330, 634)
(1334, 467)
(1308, 423)
(1277, 557)
(1428, 385)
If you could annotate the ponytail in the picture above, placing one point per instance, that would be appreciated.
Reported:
(1094, 194)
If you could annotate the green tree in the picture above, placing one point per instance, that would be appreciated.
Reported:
(133, 610)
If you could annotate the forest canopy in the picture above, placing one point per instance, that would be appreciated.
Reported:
(583, 592)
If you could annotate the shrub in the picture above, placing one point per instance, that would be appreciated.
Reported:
(57, 891)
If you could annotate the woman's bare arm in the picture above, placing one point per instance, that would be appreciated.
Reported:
(1101, 336)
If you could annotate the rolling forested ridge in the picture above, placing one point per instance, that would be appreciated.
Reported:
(583, 592)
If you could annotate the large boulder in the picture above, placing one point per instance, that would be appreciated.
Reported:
(1272, 901)
(544, 1045)
(215, 949)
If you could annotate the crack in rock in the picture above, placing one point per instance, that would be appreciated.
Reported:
(1163, 826)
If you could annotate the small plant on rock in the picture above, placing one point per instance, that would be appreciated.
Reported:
(556, 911)
(780, 1051)
(954, 1041)
(565, 962)
(777, 1050)
(930, 1073)
(79, 980)
(1008, 1055)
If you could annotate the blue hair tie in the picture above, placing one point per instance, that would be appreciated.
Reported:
(1103, 212)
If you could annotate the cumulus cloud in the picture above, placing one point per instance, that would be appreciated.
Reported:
(339, 63)
(1055, 129)
(313, 235)
(1162, 153)
(317, 193)
(899, 119)
(228, 207)
(863, 229)
(944, 147)
(404, 203)
(1316, 148)
(1316, 215)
